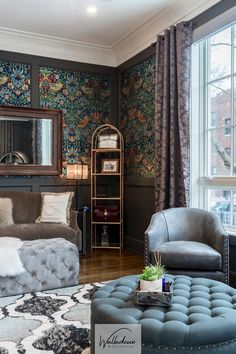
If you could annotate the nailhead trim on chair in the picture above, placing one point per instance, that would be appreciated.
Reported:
(226, 259)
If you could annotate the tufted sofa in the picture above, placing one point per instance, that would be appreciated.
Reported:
(202, 318)
(26, 209)
(48, 264)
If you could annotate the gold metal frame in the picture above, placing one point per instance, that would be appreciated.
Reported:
(111, 154)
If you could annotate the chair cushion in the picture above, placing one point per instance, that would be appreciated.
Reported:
(189, 255)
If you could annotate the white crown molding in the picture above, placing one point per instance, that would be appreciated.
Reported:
(145, 36)
(53, 47)
(133, 43)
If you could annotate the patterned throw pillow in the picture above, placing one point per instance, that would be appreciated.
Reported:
(55, 208)
(6, 207)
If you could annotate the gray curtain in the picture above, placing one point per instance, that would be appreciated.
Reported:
(172, 109)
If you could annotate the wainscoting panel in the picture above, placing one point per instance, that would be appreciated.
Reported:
(139, 207)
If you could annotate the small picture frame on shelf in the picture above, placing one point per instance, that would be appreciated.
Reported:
(110, 166)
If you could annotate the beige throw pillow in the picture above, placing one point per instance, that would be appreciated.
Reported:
(55, 208)
(6, 207)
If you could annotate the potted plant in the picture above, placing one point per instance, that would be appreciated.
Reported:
(151, 277)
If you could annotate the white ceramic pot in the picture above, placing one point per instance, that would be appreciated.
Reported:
(155, 285)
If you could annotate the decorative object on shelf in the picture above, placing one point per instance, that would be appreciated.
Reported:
(107, 187)
(110, 165)
(105, 236)
(106, 213)
(108, 141)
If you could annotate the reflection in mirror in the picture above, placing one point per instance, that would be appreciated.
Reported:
(26, 140)
(30, 141)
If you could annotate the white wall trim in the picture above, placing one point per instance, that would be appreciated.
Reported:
(53, 47)
(134, 42)
(142, 38)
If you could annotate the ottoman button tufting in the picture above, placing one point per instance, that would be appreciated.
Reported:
(46, 264)
(188, 325)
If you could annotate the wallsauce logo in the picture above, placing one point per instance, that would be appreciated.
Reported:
(118, 338)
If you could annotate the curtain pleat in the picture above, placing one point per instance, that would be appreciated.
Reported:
(172, 110)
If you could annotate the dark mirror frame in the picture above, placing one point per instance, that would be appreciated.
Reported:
(33, 169)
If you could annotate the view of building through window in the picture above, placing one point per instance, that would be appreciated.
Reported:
(218, 136)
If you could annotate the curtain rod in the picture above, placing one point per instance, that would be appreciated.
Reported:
(186, 23)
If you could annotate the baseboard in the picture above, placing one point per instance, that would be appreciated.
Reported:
(134, 245)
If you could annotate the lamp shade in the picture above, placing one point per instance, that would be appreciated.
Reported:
(77, 171)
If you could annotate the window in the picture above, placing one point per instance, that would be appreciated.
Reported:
(227, 128)
(213, 126)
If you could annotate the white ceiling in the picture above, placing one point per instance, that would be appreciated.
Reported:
(63, 29)
(68, 18)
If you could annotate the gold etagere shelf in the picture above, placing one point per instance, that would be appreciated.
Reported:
(107, 177)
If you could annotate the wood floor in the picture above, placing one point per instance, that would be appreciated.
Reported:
(109, 264)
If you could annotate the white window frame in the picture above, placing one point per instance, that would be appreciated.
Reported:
(199, 182)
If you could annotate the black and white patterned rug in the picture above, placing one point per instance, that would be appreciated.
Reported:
(53, 321)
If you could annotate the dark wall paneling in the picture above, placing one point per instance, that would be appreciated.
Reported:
(136, 102)
(139, 207)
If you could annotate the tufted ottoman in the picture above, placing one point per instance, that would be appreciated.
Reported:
(202, 318)
(49, 264)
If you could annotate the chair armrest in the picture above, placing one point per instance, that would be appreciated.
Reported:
(74, 225)
(155, 235)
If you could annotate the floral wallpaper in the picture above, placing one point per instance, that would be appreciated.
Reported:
(15, 84)
(137, 118)
(84, 99)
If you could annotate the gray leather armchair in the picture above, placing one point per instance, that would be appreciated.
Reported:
(190, 241)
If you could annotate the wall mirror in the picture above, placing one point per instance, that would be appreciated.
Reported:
(30, 141)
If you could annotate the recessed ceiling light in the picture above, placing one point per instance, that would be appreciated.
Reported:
(91, 9)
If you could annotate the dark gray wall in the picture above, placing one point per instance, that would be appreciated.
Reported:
(139, 207)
